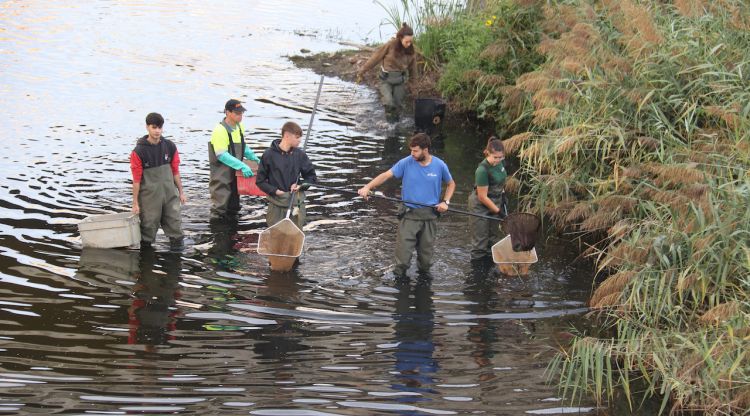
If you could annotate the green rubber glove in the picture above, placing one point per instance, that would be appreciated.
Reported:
(235, 164)
(250, 155)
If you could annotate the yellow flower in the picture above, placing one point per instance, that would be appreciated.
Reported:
(488, 23)
(494, 17)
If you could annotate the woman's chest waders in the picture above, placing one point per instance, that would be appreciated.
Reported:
(159, 201)
(392, 89)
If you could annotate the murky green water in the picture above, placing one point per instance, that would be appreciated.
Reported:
(213, 331)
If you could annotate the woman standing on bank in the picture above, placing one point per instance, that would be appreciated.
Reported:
(398, 62)
(488, 198)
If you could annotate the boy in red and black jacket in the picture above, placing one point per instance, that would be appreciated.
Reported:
(157, 189)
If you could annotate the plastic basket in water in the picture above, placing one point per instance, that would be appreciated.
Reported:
(111, 230)
(247, 186)
(512, 262)
(282, 243)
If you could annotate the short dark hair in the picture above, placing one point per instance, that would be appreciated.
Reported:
(154, 119)
(291, 127)
(420, 139)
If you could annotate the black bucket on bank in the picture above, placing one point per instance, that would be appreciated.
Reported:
(428, 115)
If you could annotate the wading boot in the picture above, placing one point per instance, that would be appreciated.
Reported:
(391, 114)
(146, 245)
(176, 244)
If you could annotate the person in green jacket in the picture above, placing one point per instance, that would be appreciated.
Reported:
(226, 150)
(488, 198)
(398, 63)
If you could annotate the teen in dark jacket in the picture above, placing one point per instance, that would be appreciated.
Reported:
(280, 166)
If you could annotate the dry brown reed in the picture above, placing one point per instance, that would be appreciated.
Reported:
(672, 174)
(607, 301)
(532, 151)
(621, 229)
(513, 99)
(649, 143)
(635, 95)
(702, 243)
(632, 172)
(560, 18)
(624, 253)
(533, 81)
(574, 66)
(514, 143)
(687, 282)
(730, 116)
(547, 97)
(622, 202)
(672, 199)
(492, 80)
(696, 191)
(581, 211)
(471, 76)
(601, 220)
(635, 23)
(558, 212)
(545, 116)
(720, 313)
(614, 284)
(690, 8)
(512, 185)
(567, 143)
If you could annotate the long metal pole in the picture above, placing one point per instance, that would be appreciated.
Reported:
(457, 211)
(307, 136)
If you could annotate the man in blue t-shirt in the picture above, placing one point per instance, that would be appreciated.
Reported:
(422, 176)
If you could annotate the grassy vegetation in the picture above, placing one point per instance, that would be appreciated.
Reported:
(632, 123)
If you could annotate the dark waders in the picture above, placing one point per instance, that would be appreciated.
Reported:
(485, 233)
(417, 229)
(225, 200)
(278, 206)
(159, 201)
(392, 90)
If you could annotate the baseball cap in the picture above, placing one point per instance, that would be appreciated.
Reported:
(234, 105)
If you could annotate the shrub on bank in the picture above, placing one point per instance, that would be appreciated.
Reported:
(481, 53)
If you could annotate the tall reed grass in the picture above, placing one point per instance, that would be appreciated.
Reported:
(631, 120)
(639, 142)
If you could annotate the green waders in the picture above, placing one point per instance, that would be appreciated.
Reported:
(225, 200)
(485, 233)
(392, 90)
(159, 201)
(278, 206)
(417, 229)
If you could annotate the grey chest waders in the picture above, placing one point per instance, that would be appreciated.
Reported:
(225, 200)
(159, 201)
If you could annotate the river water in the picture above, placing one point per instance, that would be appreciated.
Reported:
(213, 331)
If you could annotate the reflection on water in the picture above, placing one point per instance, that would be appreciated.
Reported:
(213, 330)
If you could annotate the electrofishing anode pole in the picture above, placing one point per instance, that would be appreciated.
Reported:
(374, 195)
(307, 136)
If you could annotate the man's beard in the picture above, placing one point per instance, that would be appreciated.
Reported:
(421, 158)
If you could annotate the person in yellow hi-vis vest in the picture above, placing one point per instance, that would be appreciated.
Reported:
(225, 157)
